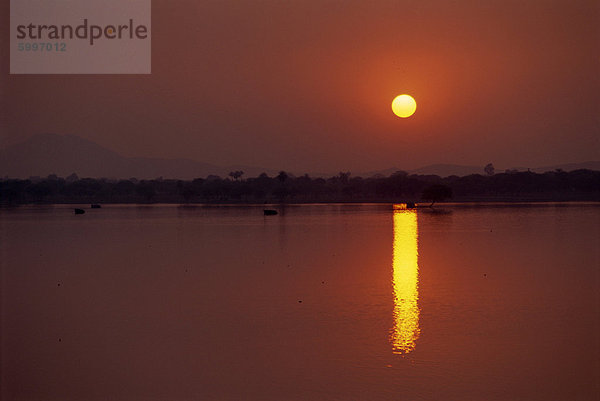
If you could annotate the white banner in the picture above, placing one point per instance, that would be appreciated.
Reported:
(80, 36)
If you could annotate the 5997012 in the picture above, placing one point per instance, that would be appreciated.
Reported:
(42, 47)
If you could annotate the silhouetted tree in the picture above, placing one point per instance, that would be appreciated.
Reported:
(281, 193)
(344, 177)
(124, 188)
(72, 178)
(146, 190)
(436, 193)
(282, 176)
(186, 190)
(489, 169)
(400, 173)
(236, 174)
(41, 190)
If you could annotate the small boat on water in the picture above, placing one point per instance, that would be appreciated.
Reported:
(79, 211)
(404, 206)
(270, 212)
(95, 206)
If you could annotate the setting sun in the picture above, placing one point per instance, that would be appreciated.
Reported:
(404, 106)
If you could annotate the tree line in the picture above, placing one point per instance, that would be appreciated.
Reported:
(287, 188)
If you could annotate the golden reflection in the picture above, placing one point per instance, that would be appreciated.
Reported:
(405, 270)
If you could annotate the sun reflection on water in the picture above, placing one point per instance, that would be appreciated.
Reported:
(405, 270)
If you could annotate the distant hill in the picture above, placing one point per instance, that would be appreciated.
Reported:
(45, 154)
(442, 170)
(445, 170)
(594, 165)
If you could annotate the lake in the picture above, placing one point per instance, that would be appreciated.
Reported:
(320, 302)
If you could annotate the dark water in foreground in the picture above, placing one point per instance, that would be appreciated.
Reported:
(493, 302)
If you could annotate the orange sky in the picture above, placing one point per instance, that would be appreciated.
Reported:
(307, 85)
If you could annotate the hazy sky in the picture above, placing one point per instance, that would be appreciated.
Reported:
(307, 85)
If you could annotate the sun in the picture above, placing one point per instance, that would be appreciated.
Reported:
(404, 106)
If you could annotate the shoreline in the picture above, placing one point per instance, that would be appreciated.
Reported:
(419, 205)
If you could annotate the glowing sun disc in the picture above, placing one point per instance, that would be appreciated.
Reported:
(404, 106)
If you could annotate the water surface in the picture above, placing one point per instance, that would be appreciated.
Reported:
(322, 302)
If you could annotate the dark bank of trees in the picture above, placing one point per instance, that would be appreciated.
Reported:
(398, 187)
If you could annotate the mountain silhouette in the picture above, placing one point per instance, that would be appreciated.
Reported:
(44, 154)
(446, 170)
(592, 165)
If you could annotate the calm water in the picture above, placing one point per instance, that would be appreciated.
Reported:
(336, 302)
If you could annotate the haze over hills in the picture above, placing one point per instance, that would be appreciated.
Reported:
(44, 154)
(444, 170)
